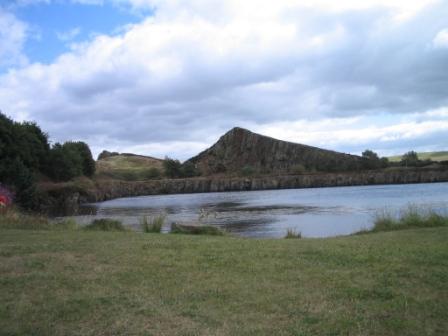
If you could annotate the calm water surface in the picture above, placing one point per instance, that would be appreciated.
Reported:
(319, 212)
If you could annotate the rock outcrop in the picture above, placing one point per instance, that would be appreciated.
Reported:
(241, 149)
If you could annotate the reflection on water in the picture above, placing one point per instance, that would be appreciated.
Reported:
(319, 212)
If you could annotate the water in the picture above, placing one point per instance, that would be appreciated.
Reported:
(319, 212)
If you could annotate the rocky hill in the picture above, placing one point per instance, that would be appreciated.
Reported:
(240, 151)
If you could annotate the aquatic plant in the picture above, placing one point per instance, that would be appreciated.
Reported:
(105, 224)
(153, 225)
(292, 233)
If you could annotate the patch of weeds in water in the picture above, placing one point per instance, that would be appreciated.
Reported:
(153, 224)
(196, 229)
(411, 217)
(292, 233)
(105, 224)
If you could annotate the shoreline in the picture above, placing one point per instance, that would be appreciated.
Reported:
(69, 196)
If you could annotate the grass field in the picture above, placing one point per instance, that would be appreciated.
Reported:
(125, 283)
(129, 167)
(434, 156)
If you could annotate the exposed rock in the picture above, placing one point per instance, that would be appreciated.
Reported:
(240, 149)
(110, 189)
(105, 154)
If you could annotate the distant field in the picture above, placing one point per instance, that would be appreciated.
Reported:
(435, 156)
(129, 167)
(108, 283)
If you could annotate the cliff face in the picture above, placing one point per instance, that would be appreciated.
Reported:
(239, 149)
(68, 199)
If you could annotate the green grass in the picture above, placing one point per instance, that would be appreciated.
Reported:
(153, 225)
(129, 167)
(434, 156)
(93, 283)
(105, 224)
(14, 219)
(409, 218)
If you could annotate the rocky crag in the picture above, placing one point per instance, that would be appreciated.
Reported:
(241, 149)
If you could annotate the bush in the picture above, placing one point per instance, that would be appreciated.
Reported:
(298, 169)
(105, 224)
(247, 171)
(154, 225)
(173, 168)
(152, 173)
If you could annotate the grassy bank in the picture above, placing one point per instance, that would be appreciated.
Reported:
(124, 283)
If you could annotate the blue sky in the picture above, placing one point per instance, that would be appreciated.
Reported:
(55, 25)
(168, 77)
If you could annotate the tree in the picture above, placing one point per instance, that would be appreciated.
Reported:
(66, 163)
(87, 161)
(371, 160)
(189, 170)
(172, 168)
(369, 154)
(410, 159)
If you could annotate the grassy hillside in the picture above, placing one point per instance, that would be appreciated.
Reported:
(129, 167)
(109, 283)
(434, 156)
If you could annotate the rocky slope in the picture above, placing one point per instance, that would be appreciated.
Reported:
(240, 149)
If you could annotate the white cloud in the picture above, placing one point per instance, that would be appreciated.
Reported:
(294, 69)
(13, 34)
(441, 39)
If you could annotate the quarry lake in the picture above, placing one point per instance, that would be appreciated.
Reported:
(318, 212)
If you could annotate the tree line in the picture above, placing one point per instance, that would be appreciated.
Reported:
(26, 155)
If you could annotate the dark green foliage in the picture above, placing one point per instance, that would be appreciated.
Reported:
(66, 163)
(87, 161)
(410, 159)
(25, 153)
(372, 161)
(152, 173)
(247, 171)
(196, 229)
(173, 168)
(14, 173)
(105, 224)
(189, 170)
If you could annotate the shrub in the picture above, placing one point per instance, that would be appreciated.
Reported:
(292, 233)
(247, 171)
(173, 168)
(154, 225)
(298, 169)
(105, 224)
(152, 173)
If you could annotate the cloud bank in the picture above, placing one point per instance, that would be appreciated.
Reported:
(346, 75)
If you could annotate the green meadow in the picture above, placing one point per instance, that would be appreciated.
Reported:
(87, 282)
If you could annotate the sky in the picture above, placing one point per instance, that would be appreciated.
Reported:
(169, 77)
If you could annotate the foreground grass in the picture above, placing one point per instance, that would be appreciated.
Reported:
(124, 283)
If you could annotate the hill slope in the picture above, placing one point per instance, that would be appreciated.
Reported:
(434, 156)
(129, 167)
(241, 149)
